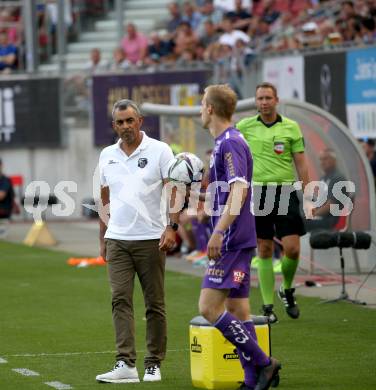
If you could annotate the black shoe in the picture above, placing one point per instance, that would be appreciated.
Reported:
(243, 386)
(268, 312)
(288, 299)
(268, 374)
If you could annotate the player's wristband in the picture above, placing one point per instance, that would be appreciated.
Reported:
(221, 232)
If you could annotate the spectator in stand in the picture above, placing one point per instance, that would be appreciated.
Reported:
(209, 13)
(119, 62)
(270, 13)
(158, 49)
(229, 5)
(185, 38)
(240, 16)
(210, 34)
(9, 18)
(186, 59)
(135, 45)
(367, 30)
(230, 36)
(8, 54)
(95, 64)
(176, 17)
(190, 15)
(348, 11)
(310, 35)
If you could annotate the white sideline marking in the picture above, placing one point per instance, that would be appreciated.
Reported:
(82, 353)
(3, 360)
(58, 385)
(25, 371)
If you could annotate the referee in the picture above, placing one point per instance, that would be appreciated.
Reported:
(277, 144)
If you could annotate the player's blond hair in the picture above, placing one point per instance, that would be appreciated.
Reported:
(223, 100)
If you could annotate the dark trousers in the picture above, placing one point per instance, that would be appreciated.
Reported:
(125, 259)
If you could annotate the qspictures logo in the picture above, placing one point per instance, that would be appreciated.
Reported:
(7, 115)
(196, 347)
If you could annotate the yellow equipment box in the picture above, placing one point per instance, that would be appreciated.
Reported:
(214, 361)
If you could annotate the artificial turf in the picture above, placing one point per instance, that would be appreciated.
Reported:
(56, 320)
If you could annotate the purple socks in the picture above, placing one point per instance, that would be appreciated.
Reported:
(238, 334)
(250, 374)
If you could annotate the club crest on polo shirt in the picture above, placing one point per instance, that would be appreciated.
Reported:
(142, 162)
(279, 147)
(238, 276)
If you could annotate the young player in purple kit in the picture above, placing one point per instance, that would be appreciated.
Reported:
(225, 288)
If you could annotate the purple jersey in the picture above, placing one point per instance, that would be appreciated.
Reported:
(232, 161)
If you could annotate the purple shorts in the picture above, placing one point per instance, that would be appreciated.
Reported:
(231, 271)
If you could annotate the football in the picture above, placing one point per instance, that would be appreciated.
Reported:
(186, 168)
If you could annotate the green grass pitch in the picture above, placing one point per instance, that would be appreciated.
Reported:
(56, 320)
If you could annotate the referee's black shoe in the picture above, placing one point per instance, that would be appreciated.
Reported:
(288, 299)
(268, 312)
(268, 374)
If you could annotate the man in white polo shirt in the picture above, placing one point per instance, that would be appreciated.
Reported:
(133, 172)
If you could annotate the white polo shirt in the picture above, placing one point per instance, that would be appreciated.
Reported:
(135, 184)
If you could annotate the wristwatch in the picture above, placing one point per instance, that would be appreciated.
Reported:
(174, 226)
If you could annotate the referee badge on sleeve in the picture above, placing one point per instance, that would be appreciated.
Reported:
(142, 162)
(279, 147)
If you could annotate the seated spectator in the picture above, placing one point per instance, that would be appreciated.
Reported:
(135, 45)
(176, 17)
(119, 62)
(158, 48)
(270, 13)
(210, 34)
(240, 17)
(230, 36)
(96, 64)
(209, 14)
(229, 5)
(186, 59)
(8, 54)
(310, 35)
(367, 30)
(9, 18)
(185, 38)
(190, 15)
(6, 195)
(323, 216)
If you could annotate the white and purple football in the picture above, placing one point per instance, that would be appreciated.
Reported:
(186, 168)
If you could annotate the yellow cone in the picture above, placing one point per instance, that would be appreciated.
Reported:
(39, 235)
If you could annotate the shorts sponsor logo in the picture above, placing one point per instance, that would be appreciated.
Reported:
(238, 276)
(216, 280)
(215, 272)
(195, 346)
(279, 147)
(231, 356)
